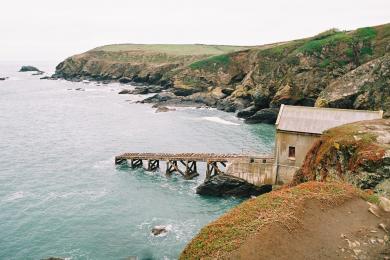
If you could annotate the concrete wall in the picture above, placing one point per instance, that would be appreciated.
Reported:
(257, 172)
(286, 165)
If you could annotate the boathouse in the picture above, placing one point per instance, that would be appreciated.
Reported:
(298, 127)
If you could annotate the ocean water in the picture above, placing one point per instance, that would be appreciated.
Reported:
(60, 192)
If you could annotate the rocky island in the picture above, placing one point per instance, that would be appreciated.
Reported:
(29, 68)
(343, 69)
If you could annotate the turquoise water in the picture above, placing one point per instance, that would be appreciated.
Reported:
(60, 192)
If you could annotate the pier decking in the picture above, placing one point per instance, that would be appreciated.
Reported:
(215, 162)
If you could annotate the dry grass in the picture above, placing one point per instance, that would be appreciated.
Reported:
(228, 233)
(173, 49)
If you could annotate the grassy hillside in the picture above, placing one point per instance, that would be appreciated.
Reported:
(250, 79)
(172, 49)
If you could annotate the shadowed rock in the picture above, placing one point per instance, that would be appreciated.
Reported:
(226, 185)
(267, 115)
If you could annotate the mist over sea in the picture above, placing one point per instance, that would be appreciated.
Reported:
(60, 192)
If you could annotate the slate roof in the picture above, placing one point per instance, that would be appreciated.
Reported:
(315, 120)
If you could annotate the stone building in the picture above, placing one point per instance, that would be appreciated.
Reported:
(298, 127)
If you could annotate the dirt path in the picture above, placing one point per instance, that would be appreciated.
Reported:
(348, 231)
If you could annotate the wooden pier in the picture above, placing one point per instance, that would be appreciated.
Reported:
(186, 163)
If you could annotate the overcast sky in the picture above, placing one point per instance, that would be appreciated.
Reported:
(54, 30)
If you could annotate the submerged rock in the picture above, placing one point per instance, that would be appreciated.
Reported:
(38, 73)
(47, 77)
(125, 91)
(227, 185)
(164, 109)
(159, 98)
(159, 230)
(29, 68)
(124, 80)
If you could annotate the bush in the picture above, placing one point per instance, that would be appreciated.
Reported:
(316, 45)
(325, 63)
(212, 62)
(365, 34)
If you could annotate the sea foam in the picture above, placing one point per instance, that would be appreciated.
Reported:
(218, 120)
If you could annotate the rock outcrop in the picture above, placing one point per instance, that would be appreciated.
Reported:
(159, 230)
(227, 185)
(334, 68)
(358, 153)
(366, 87)
(30, 68)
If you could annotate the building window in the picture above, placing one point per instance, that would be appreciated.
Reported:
(291, 152)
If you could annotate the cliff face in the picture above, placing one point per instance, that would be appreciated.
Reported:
(358, 153)
(150, 64)
(366, 87)
(302, 72)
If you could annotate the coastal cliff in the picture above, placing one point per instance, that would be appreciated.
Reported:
(252, 81)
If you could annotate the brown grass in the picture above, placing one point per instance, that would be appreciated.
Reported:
(228, 233)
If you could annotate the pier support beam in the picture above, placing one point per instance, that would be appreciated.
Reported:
(153, 165)
(136, 163)
(213, 169)
(119, 160)
(190, 171)
(172, 167)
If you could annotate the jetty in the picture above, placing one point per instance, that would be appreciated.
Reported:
(186, 163)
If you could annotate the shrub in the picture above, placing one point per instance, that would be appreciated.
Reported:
(325, 63)
(366, 33)
(316, 45)
(212, 62)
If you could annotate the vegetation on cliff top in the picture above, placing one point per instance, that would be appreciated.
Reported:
(229, 232)
(173, 49)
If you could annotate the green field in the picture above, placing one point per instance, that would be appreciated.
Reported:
(173, 49)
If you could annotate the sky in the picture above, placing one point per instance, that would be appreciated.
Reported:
(51, 30)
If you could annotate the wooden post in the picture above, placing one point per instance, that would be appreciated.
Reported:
(135, 163)
(153, 165)
(119, 160)
(191, 170)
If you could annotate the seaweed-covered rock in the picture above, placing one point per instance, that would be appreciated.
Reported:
(227, 185)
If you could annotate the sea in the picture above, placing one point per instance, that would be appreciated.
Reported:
(61, 195)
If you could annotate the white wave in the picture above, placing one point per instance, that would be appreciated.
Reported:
(15, 196)
(218, 120)
(103, 164)
(93, 195)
